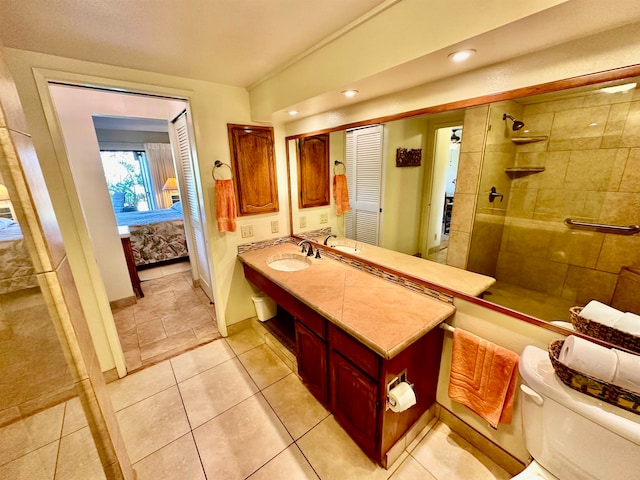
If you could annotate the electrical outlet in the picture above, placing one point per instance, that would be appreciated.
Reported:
(246, 231)
(303, 222)
(275, 227)
(324, 218)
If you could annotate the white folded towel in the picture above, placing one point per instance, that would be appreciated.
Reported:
(601, 313)
(588, 357)
(628, 322)
(627, 374)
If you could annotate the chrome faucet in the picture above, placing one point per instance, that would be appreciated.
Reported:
(328, 237)
(304, 244)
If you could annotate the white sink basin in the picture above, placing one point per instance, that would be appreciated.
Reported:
(346, 249)
(288, 262)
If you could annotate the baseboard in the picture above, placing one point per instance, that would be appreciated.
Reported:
(123, 302)
(395, 452)
(496, 453)
(110, 375)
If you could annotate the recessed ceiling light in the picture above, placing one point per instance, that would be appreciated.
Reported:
(293, 112)
(593, 124)
(350, 93)
(461, 55)
(619, 88)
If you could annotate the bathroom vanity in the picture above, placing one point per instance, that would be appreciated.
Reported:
(357, 335)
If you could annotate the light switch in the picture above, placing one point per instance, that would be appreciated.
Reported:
(246, 231)
(303, 222)
(275, 227)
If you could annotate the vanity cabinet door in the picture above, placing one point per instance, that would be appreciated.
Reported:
(312, 361)
(254, 168)
(353, 402)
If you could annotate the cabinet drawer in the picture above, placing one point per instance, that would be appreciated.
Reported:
(312, 320)
(360, 355)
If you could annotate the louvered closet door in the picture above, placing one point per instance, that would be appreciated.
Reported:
(364, 180)
(190, 203)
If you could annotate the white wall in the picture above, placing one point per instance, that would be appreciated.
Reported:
(438, 187)
(212, 107)
(509, 333)
(75, 107)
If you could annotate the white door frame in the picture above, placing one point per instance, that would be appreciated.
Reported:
(43, 77)
(428, 184)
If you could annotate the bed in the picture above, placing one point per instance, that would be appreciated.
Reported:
(16, 267)
(156, 235)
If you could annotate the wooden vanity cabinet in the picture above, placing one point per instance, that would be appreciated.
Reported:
(355, 403)
(311, 355)
(311, 333)
(351, 379)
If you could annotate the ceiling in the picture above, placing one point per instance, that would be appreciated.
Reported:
(261, 44)
(232, 42)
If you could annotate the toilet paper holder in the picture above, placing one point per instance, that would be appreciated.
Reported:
(393, 383)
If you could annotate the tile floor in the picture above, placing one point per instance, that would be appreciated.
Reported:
(172, 318)
(226, 410)
(440, 254)
(537, 304)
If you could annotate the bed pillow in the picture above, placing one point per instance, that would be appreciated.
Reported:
(5, 223)
(177, 207)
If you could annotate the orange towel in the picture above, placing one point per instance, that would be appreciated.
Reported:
(225, 206)
(483, 377)
(341, 194)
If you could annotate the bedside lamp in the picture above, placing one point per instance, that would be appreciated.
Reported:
(6, 208)
(171, 185)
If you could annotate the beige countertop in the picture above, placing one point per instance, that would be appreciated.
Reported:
(384, 316)
(447, 276)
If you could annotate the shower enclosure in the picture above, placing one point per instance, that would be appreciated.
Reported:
(575, 161)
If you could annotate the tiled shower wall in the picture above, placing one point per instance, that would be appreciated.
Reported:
(591, 162)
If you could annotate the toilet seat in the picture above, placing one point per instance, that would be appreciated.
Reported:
(535, 472)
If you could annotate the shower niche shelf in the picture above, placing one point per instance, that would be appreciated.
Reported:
(533, 139)
(524, 170)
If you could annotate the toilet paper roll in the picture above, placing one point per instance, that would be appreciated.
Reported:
(627, 374)
(588, 357)
(401, 397)
(629, 322)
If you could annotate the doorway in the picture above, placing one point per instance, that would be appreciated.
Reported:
(75, 108)
(446, 153)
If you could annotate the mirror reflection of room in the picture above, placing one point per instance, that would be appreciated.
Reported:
(526, 167)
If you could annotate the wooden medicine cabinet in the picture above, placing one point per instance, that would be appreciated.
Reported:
(313, 171)
(253, 162)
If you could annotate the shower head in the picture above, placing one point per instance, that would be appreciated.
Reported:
(517, 124)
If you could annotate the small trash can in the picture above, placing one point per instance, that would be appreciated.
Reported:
(266, 308)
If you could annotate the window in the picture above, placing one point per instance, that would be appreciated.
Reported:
(128, 180)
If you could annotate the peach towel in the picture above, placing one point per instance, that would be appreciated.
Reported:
(483, 377)
(225, 206)
(341, 194)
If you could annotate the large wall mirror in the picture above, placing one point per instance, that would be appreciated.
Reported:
(539, 192)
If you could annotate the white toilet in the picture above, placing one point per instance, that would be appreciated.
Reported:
(572, 436)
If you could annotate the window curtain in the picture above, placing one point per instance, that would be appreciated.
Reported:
(160, 161)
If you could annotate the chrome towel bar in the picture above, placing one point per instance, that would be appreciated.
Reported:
(447, 327)
(598, 227)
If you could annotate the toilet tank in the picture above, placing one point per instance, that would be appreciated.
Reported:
(572, 435)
